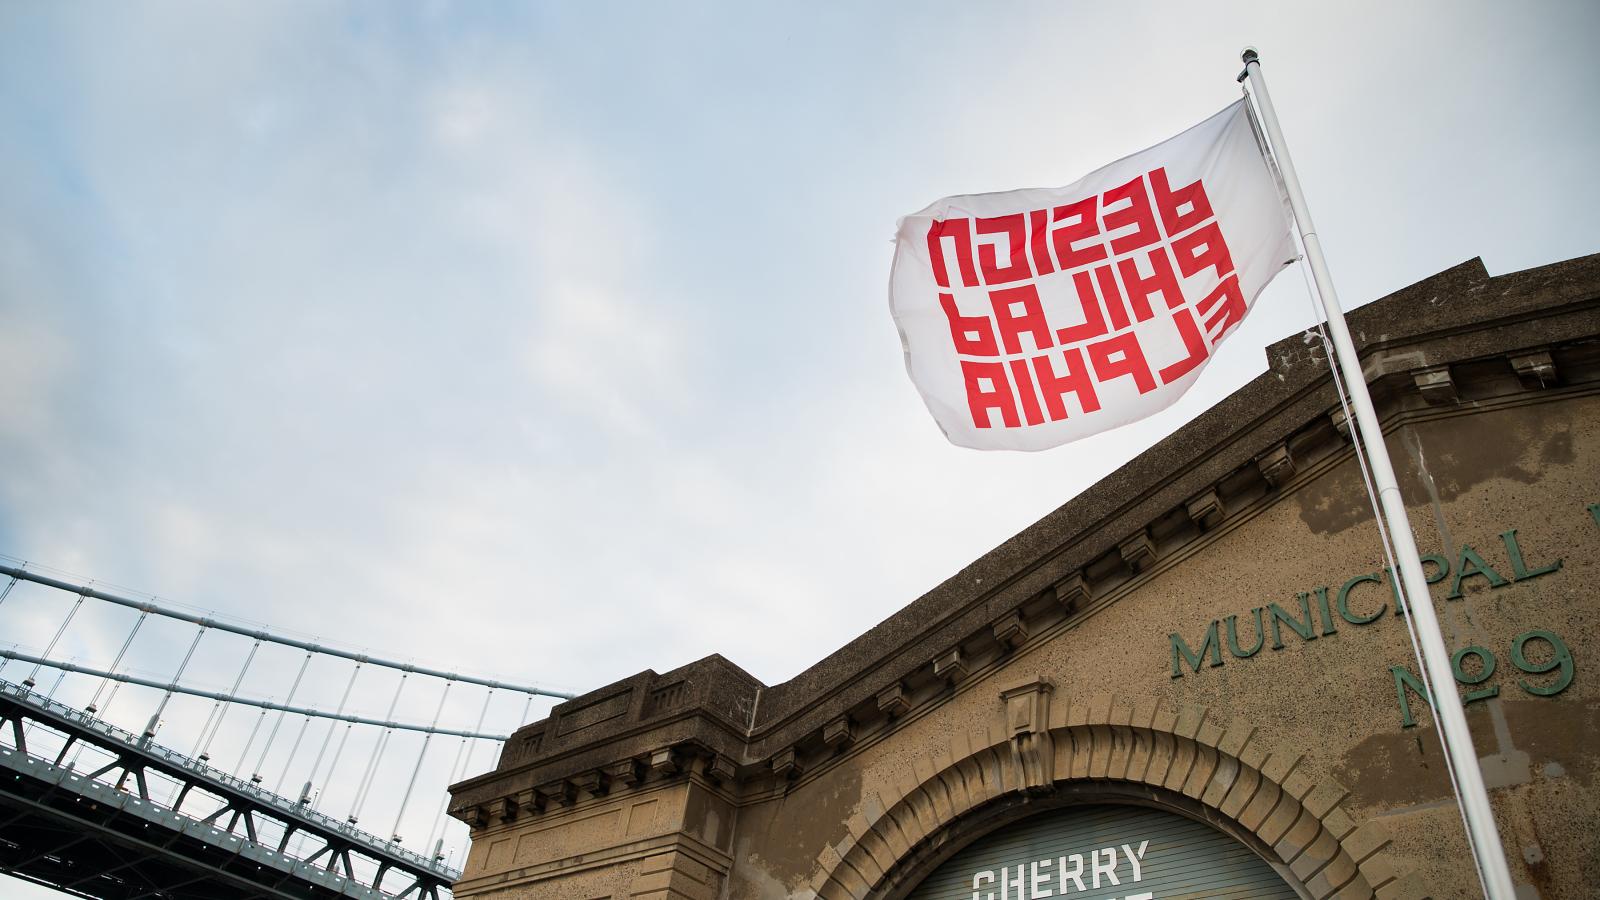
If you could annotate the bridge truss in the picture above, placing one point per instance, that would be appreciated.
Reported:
(96, 810)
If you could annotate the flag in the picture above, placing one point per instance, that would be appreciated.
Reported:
(1032, 318)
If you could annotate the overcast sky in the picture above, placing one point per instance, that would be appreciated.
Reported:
(552, 341)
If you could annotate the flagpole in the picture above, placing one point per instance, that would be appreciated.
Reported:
(1482, 833)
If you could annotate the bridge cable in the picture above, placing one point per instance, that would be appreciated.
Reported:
(406, 798)
(242, 701)
(263, 634)
(305, 792)
(60, 677)
(220, 708)
(365, 785)
(93, 708)
(245, 753)
(334, 764)
(317, 764)
(29, 681)
(456, 770)
(294, 749)
(155, 719)
(278, 722)
(104, 712)
(3, 595)
(526, 707)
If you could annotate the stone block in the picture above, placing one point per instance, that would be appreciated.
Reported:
(1072, 592)
(892, 700)
(951, 666)
(786, 764)
(1138, 551)
(1276, 465)
(1206, 510)
(839, 733)
(666, 761)
(1011, 631)
(1535, 369)
(1436, 385)
(1338, 822)
(719, 768)
(1280, 820)
(1334, 878)
(1365, 841)
(1324, 797)
(1298, 841)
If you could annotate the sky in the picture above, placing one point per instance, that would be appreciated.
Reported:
(551, 341)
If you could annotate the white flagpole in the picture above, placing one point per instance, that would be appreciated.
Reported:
(1474, 797)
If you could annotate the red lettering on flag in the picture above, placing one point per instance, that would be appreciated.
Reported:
(1075, 380)
(1161, 281)
(987, 388)
(960, 231)
(1137, 213)
(1121, 355)
(1039, 241)
(1017, 312)
(973, 335)
(1086, 226)
(1112, 295)
(1030, 401)
(1193, 344)
(1015, 228)
(1094, 322)
(1118, 298)
(1229, 303)
(1203, 248)
(1171, 203)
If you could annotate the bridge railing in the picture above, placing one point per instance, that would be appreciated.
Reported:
(284, 806)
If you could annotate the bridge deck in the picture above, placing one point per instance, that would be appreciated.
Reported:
(102, 834)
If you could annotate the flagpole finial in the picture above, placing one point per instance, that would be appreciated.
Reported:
(1249, 55)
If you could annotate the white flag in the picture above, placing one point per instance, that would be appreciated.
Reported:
(1036, 317)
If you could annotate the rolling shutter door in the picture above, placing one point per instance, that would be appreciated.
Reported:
(1050, 854)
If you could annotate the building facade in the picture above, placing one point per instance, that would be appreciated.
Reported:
(1193, 679)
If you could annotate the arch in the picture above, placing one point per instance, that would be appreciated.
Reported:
(1042, 755)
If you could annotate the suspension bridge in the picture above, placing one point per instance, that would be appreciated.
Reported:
(96, 799)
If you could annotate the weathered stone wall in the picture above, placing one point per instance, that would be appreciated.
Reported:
(1047, 673)
(1320, 717)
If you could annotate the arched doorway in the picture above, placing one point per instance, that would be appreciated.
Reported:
(1105, 852)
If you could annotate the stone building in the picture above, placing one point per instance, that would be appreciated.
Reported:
(1191, 680)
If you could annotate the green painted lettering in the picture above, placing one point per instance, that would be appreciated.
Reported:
(1519, 569)
(1594, 512)
(1560, 661)
(1305, 629)
(1479, 569)
(1324, 612)
(1233, 636)
(1403, 681)
(1441, 568)
(1394, 588)
(1341, 600)
(1485, 670)
(1210, 646)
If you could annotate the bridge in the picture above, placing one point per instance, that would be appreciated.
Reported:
(95, 809)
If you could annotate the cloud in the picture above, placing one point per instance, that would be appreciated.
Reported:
(552, 342)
